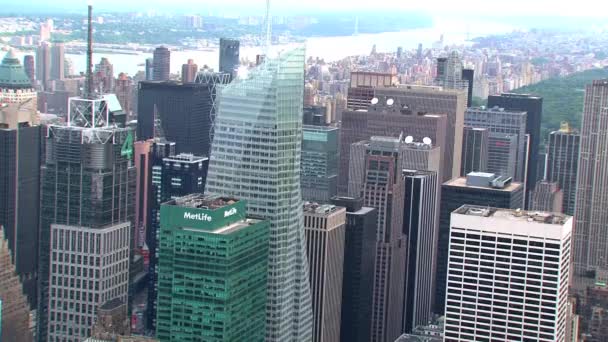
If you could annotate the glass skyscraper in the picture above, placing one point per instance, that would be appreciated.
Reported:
(255, 156)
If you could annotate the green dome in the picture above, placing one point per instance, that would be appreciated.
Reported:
(12, 74)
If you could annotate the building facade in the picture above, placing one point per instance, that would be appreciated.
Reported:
(320, 159)
(358, 279)
(562, 163)
(502, 154)
(43, 65)
(212, 271)
(229, 56)
(189, 71)
(256, 157)
(57, 61)
(475, 189)
(161, 64)
(508, 275)
(547, 196)
(475, 144)
(325, 227)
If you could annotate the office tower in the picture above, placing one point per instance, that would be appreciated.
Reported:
(229, 56)
(149, 69)
(29, 64)
(189, 71)
(124, 92)
(14, 307)
(502, 122)
(420, 224)
(502, 154)
(183, 174)
(319, 174)
(533, 106)
(381, 160)
(475, 143)
(362, 85)
(476, 189)
(15, 86)
(468, 75)
(213, 81)
(591, 236)
(325, 227)
(43, 65)
(358, 275)
(212, 271)
(161, 64)
(513, 288)
(143, 190)
(266, 173)
(184, 109)
(104, 76)
(57, 61)
(562, 163)
(547, 196)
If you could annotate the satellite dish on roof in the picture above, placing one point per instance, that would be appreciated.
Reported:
(375, 100)
(427, 141)
(390, 102)
(409, 139)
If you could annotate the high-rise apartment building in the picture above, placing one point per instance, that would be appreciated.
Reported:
(420, 225)
(383, 188)
(14, 306)
(229, 56)
(104, 76)
(256, 157)
(161, 64)
(590, 235)
(502, 122)
(477, 188)
(358, 275)
(29, 64)
(124, 88)
(533, 106)
(508, 275)
(43, 65)
(212, 271)
(547, 196)
(562, 163)
(189, 71)
(383, 119)
(57, 61)
(325, 227)
(185, 112)
(475, 144)
(319, 175)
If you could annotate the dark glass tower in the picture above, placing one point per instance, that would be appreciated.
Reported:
(562, 163)
(161, 64)
(229, 55)
(358, 275)
(474, 150)
(319, 177)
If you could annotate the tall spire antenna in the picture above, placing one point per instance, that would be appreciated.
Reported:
(268, 28)
(89, 88)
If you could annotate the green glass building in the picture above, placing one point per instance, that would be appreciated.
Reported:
(212, 271)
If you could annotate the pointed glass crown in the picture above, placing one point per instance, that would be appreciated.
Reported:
(12, 74)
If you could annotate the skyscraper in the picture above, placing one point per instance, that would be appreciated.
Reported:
(477, 188)
(358, 279)
(451, 75)
(420, 224)
(502, 154)
(161, 64)
(256, 157)
(533, 106)
(319, 176)
(547, 196)
(591, 235)
(185, 111)
(562, 163)
(20, 159)
(29, 64)
(124, 92)
(189, 71)
(325, 227)
(229, 56)
(212, 271)
(513, 288)
(149, 69)
(57, 61)
(383, 188)
(475, 143)
(468, 75)
(362, 86)
(43, 65)
(502, 122)
(104, 76)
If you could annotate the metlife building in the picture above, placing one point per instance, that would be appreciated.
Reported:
(212, 271)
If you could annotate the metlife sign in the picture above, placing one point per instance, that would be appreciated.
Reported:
(206, 219)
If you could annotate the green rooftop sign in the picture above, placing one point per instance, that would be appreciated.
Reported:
(205, 219)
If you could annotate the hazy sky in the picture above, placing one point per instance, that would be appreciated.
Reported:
(591, 8)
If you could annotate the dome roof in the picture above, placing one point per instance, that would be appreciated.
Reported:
(12, 74)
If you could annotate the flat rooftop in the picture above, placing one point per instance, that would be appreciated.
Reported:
(462, 182)
(316, 208)
(200, 201)
(516, 215)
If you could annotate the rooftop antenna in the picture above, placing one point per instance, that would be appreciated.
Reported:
(89, 87)
(267, 41)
